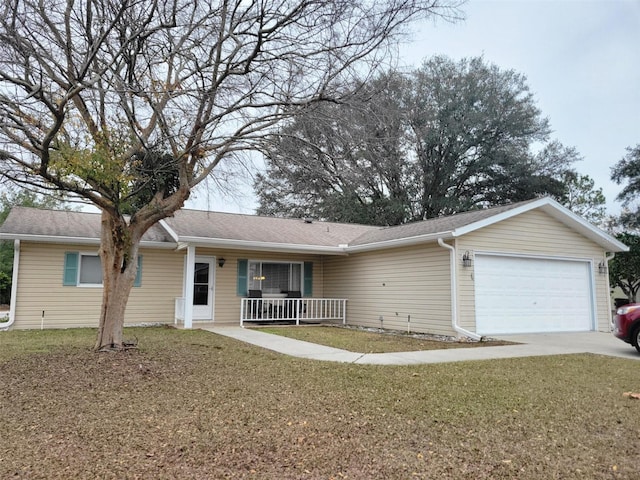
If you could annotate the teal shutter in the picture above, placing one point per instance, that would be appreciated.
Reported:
(243, 267)
(308, 279)
(138, 281)
(70, 273)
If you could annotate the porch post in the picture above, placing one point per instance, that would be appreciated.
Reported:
(344, 311)
(188, 287)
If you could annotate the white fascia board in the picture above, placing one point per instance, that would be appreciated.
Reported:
(560, 213)
(400, 242)
(50, 239)
(169, 230)
(149, 244)
(262, 246)
(75, 240)
(181, 246)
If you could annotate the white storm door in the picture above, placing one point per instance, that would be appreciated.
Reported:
(203, 282)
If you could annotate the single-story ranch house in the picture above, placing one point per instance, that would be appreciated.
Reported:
(527, 267)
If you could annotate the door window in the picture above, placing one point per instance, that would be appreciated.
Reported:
(201, 284)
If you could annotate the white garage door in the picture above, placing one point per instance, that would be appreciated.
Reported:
(527, 295)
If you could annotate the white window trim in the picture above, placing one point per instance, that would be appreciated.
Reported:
(288, 262)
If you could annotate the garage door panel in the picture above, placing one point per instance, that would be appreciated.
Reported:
(528, 295)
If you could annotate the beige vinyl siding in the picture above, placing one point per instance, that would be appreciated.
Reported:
(394, 284)
(40, 289)
(531, 233)
(154, 300)
(227, 301)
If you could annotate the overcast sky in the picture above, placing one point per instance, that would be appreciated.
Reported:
(581, 59)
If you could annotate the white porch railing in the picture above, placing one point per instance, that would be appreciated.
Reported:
(281, 309)
(292, 309)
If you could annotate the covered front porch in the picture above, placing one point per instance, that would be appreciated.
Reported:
(229, 287)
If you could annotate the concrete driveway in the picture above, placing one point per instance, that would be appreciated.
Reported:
(528, 346)
(578, 342)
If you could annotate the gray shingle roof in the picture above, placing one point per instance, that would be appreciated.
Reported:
(209, 226)
(62, 223)
(250, 231)
(251, 228)
(432, 226)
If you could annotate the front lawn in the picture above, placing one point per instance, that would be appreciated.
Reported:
(191, 404)
(362, 341)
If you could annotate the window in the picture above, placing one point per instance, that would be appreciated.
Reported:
(85, 269)
(201, 283)
(90, 270)
(275, 277)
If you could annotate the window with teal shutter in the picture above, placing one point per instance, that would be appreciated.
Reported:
(72, 266)
(308, 279)
(242, 278)
(70, 272)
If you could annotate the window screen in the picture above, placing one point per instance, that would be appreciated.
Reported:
(90, 270)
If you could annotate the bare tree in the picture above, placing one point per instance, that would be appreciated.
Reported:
(129, 104)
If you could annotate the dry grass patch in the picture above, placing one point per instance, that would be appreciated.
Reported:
(191, 404)
(363, 341)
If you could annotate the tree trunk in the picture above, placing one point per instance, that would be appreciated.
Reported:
(119, 257)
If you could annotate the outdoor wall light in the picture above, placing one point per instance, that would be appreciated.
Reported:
(221, 262)
(466, 259)
(602, 267)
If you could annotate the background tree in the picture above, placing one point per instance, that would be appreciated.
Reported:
(343, 162)
(583, 198)
(627, 170)
(445, 138)
(8, 200)
(90, 88)
(624, 268)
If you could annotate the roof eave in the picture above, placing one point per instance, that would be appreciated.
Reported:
(76, 240)
(261, 246)
(170, 231)
(400, 242)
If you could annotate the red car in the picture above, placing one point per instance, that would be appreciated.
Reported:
(626, 324)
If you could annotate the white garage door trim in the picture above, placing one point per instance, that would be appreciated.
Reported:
(531, 294)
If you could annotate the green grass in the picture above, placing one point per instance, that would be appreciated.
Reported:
(24, 342)
(355, 340)
(191, 404)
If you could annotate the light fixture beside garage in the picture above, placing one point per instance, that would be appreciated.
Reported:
(602, 267)
(466, 259)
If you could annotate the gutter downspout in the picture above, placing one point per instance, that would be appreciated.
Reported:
(454, 293)
(14, 286)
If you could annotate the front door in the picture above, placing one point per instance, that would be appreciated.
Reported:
(203, 281)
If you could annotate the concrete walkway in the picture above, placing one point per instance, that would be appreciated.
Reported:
(530, 346)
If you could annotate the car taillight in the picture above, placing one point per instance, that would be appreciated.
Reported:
(627, 309)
